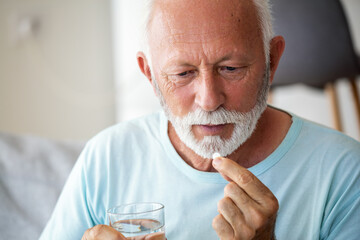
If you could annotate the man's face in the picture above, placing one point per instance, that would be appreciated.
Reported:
(244, 124)
(208, 57)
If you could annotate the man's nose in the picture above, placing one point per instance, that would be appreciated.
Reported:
(209, 92)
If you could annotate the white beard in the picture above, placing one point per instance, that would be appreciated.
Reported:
(244, 124)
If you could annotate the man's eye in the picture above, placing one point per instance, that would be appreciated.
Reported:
(186, 73)
(182, 78)
(182, 74)
(232, 73)
(227, 68)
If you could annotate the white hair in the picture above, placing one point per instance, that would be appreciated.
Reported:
(265, 21)
(264, 17)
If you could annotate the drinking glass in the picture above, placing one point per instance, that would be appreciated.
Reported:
(138, 220)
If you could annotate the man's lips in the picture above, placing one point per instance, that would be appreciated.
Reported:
(210, 129)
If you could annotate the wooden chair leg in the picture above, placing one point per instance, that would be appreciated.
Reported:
(270, 99)
(331, 91)
(356, 99)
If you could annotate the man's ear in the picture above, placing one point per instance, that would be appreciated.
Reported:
(277, 47)
(144, 65)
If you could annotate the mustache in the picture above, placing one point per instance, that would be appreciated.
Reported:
(217, 117)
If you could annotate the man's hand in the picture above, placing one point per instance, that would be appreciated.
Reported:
(248, 210)
(100, 232)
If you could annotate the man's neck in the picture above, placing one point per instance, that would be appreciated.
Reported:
(271, 129)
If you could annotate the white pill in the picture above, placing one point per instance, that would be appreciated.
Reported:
(216, 155)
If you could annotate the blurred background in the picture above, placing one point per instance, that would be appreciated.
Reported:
(68, 69)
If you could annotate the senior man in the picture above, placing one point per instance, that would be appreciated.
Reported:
(282, 177)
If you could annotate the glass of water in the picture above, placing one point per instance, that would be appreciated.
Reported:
(138, 220)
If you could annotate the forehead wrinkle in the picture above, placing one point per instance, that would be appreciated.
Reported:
(189, 38)
(182, 58)
(170, 35)
(218, 21)
(227, 49)
(188, 34)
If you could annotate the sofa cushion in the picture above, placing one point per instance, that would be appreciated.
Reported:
(33, 171)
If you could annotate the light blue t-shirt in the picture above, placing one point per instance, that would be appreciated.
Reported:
(314, 173)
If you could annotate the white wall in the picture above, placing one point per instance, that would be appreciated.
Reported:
(136, 98)
(57, 81)
(134, 93)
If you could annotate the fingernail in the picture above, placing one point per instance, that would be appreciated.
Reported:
(217, 162)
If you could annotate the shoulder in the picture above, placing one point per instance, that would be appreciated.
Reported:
(130, 136)
(149, 125)
(319, 135)
(120, 147)
(331, 151)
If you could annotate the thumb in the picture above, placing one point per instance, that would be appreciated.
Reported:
(217, 161)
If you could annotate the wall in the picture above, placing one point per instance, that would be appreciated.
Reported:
(56, 77)
(135, 96)
(59, 81)
(134, 93)
(315, 105)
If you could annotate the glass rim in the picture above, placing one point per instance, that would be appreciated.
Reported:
(159, 207)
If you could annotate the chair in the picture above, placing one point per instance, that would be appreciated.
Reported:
(319, 48)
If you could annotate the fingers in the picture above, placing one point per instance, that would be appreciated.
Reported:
(99, 232)
(248, 182)
(151, 236)
(233, 215)
(240, 199)
(253, 214)
(155, 236)
(249, 208)
(222, 227)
